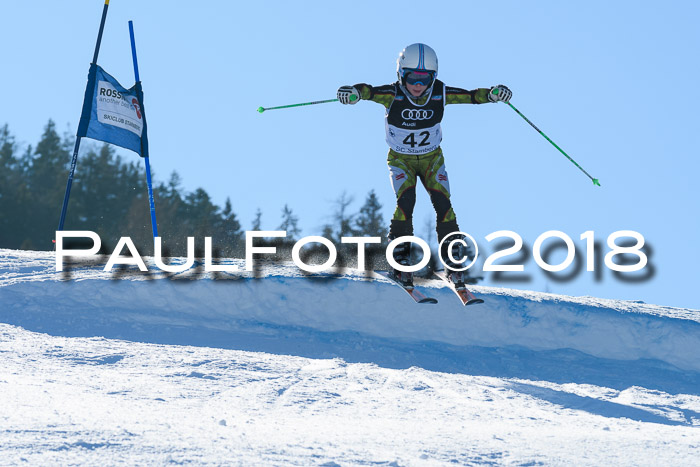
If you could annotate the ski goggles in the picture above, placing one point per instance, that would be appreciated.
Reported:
(424, 78)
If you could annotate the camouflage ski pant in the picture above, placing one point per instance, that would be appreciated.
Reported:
(405, 171)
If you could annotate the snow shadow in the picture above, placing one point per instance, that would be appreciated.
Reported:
(605, 408)
(557, 366)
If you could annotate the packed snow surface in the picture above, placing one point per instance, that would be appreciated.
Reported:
(278, 367)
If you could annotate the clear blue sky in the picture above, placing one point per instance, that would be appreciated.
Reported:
(613, 83)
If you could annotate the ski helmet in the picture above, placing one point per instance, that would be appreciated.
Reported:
(419, 58)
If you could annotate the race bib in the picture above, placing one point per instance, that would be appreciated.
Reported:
(418, 141)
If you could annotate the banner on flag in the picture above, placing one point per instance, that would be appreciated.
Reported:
(112, 113)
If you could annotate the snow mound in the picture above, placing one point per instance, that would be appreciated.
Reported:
(354, 316)
(95, 401)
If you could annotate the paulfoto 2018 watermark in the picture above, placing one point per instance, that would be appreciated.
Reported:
(633, 248)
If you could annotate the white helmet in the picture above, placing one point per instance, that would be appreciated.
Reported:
(417, 57)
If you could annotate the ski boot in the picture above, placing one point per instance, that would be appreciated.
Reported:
(402, 255)
(457, 278)
(458, 252)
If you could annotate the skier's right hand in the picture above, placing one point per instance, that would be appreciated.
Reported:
(348, 95)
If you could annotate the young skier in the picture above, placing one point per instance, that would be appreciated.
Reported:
(414, 109)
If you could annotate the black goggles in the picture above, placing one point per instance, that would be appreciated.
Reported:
(424, 78)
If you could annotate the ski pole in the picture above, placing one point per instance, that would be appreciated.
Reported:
(595, 180)
(262, 109)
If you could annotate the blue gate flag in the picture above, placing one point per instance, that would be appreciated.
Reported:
(112, 113)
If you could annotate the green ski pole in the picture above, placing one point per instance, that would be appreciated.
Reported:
(595, 180)
(262, 109)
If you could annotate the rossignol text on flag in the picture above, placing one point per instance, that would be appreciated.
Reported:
(112, 113)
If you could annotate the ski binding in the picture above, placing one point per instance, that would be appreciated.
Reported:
(415, 294)
(463, 293)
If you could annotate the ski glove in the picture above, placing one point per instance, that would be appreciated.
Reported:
(502, 93)
(348, 95)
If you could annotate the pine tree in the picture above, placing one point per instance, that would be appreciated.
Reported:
(12, 205)
(290, 224)
(257, 222)
(230, 230)
(343, 221)
(328, 232)
(370, 222)
(7, 151)
(170, 211)
(231, 223)
(46, 183)
(202, 213)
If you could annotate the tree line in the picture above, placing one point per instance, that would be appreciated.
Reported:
(109, 196)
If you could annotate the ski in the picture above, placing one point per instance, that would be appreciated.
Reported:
(464, 294)
(415, 294)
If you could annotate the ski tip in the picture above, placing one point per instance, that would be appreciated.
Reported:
(474, 301)
(428, 300)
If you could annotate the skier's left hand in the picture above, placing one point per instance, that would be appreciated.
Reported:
(500, 93)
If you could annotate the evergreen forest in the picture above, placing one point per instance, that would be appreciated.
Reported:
(109, 196)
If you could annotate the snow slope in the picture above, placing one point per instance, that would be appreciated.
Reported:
(284, 368)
